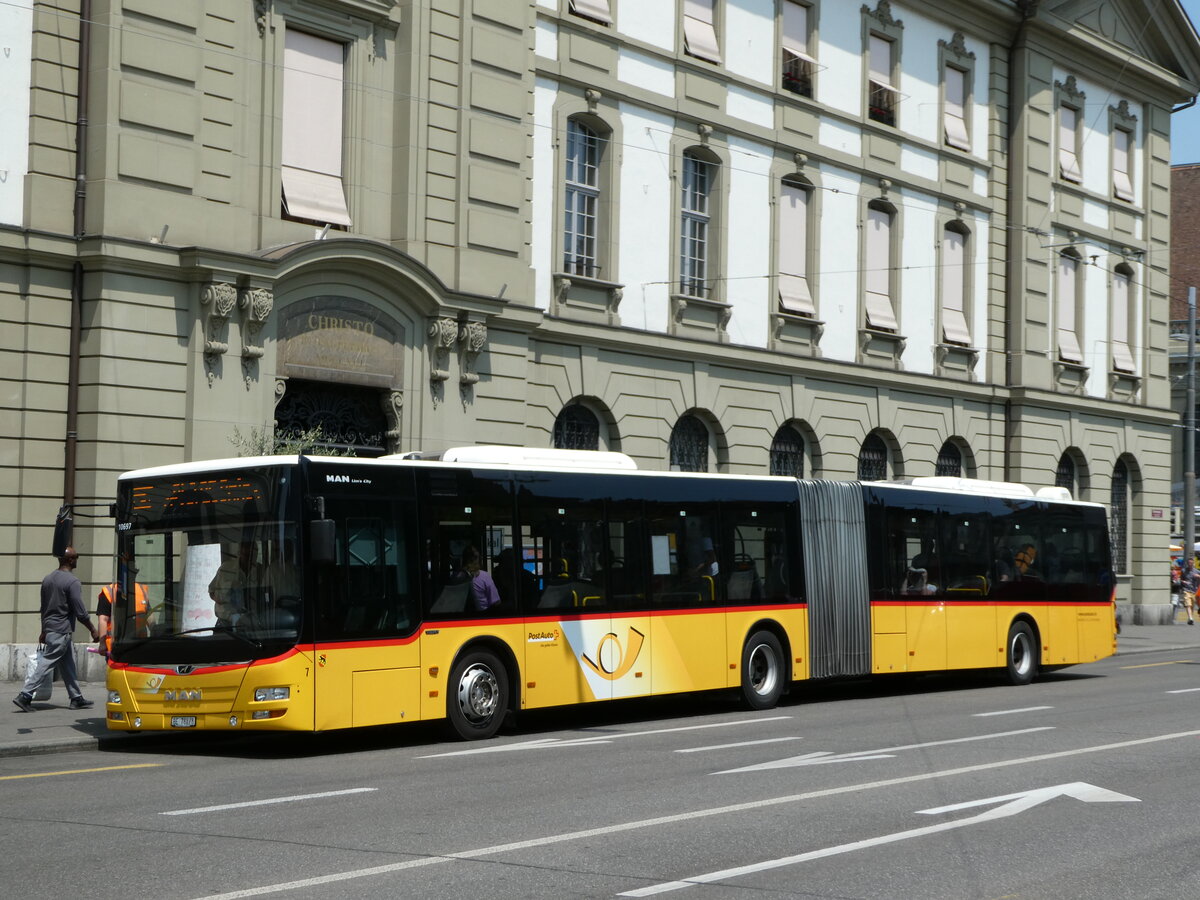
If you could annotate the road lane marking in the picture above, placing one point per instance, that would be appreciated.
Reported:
(268, 802)
(82, 771)
(638, 825)
(1174, 662)
(738, 744)
(1009, 712)
(550, 743)
(1184, 691)
(822, 757)
(1013, 804)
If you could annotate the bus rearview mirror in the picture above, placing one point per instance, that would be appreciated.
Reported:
(321, 541)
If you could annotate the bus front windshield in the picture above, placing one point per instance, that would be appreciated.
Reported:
(208, 570)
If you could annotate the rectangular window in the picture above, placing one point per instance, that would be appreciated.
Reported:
(694, 222)
(312, 129)
(878, 274)
(798, 64)
(794, 294)
(1068, 144)
(954, 280)
(1068, 282)
(883, 94)
(954, 116)
(581, 201)
(1122, 184)
(596, 10)
(699, 30)
(1122, 358)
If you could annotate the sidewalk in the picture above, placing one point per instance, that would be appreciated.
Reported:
(54, 727)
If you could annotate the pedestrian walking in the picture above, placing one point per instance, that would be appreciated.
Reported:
(1188, 582)
(62, 607)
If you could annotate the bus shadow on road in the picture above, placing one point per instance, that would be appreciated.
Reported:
(576, 722)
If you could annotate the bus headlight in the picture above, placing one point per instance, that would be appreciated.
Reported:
(262, 695)
(114, 697)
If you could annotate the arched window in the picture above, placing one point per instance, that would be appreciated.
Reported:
(1119, 525)
(577, 428)
(1064, 475)
(949, 461)
(872, 459)
(689, 445)
(696, 246)
(787, 453)
(582, 199)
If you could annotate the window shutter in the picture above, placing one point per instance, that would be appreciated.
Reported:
(954, 320)
(592, 9)
(881, 61)
(1122, 358)
(1068, 161)
(1122, 186)
(1068, 342)
(878, 276)
(312, 129)
(794, 294)
(795, 28)
(954, 115)
(699, 31)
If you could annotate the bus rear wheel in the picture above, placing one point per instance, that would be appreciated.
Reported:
(477, 696)
(1022, 655)
(762, 671)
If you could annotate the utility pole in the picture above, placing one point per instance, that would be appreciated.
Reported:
(1189, 436)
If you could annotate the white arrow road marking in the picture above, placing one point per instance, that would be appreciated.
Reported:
(545, 743)
(681, 818)
(818, 758)
(1184, 691)
(1012, 804)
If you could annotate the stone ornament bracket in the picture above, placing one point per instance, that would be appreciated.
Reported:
(217, 299)
(393, 408)
(443, 332)
(256, 305)
(472, 338)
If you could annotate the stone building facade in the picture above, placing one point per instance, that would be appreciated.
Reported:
(807, 236)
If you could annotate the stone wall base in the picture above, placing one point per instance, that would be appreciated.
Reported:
(14, 660)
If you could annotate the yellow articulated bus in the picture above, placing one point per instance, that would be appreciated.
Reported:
(318, 593)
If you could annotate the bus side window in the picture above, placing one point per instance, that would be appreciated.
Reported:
(913, 554)
(755, 538)
(567, 537)
(684, 557)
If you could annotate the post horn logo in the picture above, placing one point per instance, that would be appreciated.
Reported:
(615, 662)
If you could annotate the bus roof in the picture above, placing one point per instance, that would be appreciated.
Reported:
(588, 461)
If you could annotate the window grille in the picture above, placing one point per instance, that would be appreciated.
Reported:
(577, 428)
(872, 459)
(787, 453)
(949, 461)
(582, 200)
(1119, 526)
(689, 446)
(1064, 475)
(694, 223)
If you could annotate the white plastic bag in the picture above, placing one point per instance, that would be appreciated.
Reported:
(41, 691)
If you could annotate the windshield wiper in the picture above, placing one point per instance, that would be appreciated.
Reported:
(221, 629)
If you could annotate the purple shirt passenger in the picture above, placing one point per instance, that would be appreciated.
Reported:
(483, 590)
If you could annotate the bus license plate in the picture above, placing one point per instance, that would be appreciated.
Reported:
(183, 721)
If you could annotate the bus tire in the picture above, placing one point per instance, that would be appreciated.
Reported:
(1021, 655)
(762, 671)
(477, 695)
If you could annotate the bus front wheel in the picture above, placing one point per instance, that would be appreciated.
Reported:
(1022, 655)
(762, 671)
(477, 696)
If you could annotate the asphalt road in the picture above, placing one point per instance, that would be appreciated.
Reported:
(1081, 785)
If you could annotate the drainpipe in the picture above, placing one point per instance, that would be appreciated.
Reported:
(1015, 215)
(69, 461)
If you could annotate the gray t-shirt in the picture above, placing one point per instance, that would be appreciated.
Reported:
(62, 602)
